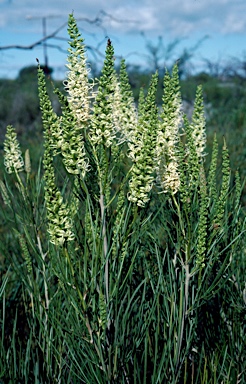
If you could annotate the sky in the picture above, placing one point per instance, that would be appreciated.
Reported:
(215, 28)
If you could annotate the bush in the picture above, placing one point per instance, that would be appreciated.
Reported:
(126, 257)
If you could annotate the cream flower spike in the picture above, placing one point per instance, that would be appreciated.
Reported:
(198, 125)
(168, 135)
(77, 84)
(13, 160)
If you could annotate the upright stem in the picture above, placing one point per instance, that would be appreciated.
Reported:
(46, 291)
(105, 245)
(46, 340)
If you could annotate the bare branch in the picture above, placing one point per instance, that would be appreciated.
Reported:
(98, 22)
(39, 42)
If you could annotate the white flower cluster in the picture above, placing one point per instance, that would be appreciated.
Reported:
(198, 125)
(114, 121)
(76, 117)
(13, 160)
(55, 134)
(58, 214)
(168, 177)
(141, 181)
(139, 187)
(124, 114)
(74, 156)
(142, 148)
(102, 129)
(166, 149)
(60, 227)
(78, 88)
(77, 83)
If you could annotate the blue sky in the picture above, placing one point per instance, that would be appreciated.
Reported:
(223, 22)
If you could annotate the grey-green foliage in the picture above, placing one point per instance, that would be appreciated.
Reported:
(118, 279)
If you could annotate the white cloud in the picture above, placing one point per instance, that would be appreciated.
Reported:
(132, 18)
(177, 17)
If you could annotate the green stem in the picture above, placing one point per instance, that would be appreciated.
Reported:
(75, 281)
(105, 244)
(179, 215)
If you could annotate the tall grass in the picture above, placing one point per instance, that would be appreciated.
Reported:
(127, 257)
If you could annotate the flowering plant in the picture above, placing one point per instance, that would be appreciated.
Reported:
(126, 239)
